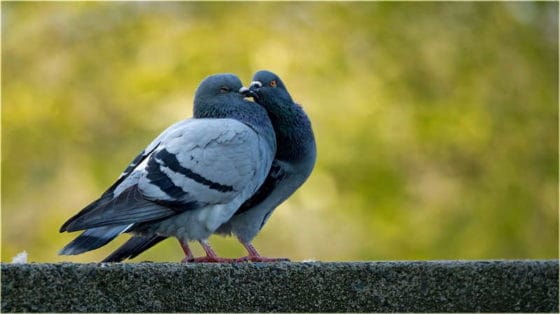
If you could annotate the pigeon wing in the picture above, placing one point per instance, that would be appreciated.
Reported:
(206, 161)
(212, 161)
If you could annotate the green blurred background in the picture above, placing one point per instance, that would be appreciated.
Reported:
(436, 123)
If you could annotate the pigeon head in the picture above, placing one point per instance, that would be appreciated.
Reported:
(269, 79)
(218, 97)
(215, 93)
(267, 89)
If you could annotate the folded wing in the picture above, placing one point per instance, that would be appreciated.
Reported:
(192, 164)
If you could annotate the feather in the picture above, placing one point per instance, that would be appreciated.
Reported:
(128, 207)
(133, 247)
(92, 239)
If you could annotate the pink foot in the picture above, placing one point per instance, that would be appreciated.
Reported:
(211, 256)
(186, 249)
(254, 256)
(187, 259)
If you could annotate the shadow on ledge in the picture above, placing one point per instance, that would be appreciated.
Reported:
(434, 286)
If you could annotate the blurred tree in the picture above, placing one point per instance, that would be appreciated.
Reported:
(436, 122)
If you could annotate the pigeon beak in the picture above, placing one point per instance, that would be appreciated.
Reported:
(250, 91)
(247, 92)
(255, 85)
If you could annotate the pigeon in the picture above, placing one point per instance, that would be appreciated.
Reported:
(190, 180)
(294, 160)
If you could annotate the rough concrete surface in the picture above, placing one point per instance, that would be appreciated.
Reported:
(435, 286)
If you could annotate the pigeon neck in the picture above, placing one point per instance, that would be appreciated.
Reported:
(246, 112)
(294, 135)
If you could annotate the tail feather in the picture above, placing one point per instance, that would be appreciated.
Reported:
(92, 239)
(104, 199)
(128, 207)
(133, 247)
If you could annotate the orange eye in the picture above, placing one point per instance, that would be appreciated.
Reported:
(272, 84)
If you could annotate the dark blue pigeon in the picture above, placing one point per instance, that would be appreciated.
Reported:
(292, 165)
(190, 180)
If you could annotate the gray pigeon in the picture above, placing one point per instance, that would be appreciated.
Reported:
(188, 181)
(292, 165)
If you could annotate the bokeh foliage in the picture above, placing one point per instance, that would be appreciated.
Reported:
(436, 123)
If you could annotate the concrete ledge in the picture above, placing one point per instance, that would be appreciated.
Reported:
(447, 286)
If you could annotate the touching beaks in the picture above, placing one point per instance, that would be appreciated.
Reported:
(250, 91)
(246, 91)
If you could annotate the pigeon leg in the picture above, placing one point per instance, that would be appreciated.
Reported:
(211, 256)
(254, 256)
(188, 254)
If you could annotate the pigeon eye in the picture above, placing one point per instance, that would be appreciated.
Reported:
(224, 89)
(273, 83)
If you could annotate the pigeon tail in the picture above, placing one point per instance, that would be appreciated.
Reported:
(92, 239)
(133, 247)
(128, 207)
